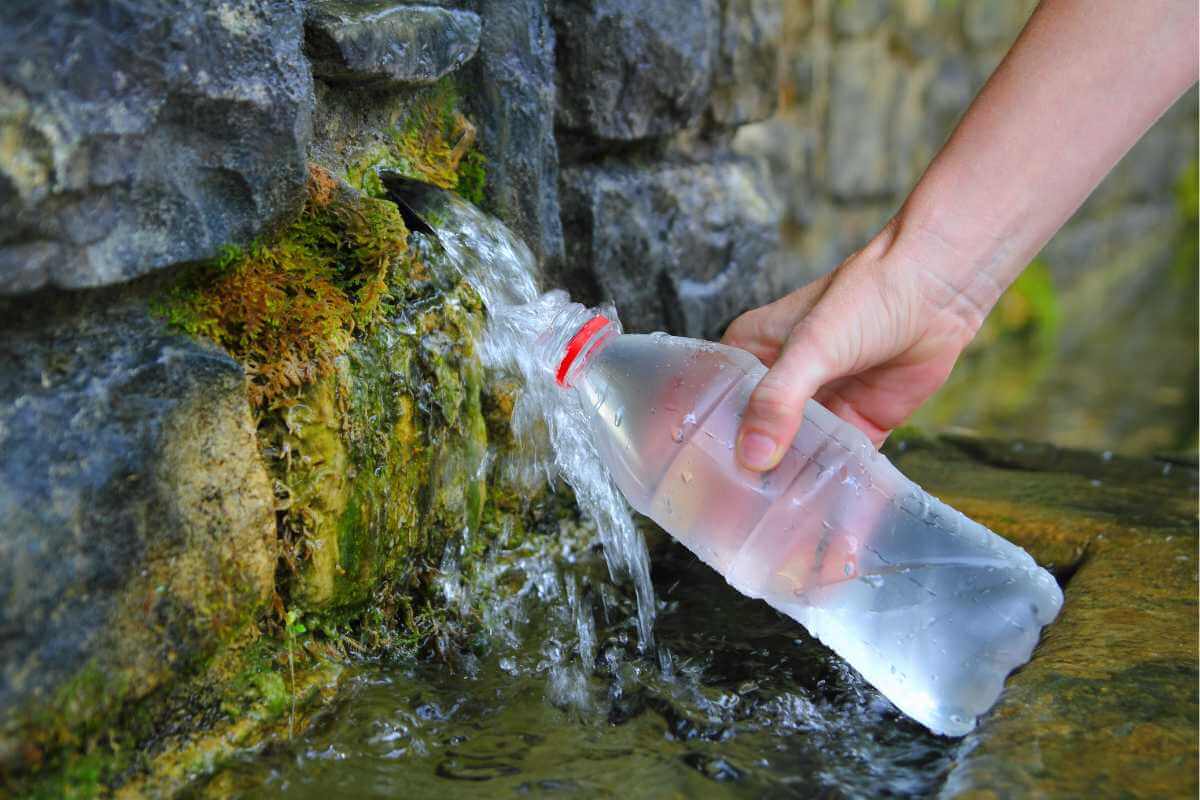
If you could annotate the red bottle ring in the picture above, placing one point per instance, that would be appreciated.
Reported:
(576, 344)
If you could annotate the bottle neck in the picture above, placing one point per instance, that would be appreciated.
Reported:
(593, 335)
(575, 336)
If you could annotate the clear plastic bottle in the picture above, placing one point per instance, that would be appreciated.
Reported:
(930, 607)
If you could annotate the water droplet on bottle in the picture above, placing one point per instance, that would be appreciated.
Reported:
(618, 417)
(689, 419)
(848, 569)
(874, 581)
(686, 476)
(677, 434)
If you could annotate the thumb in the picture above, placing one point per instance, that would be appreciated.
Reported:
(775, 410)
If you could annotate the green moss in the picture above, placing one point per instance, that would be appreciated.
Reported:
(374, 423)
(434, 143)
(1030, 308)
(472, 177)
(287, 308)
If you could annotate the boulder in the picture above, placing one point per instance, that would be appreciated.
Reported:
(381, 42)
(137, 523)
(137, 135)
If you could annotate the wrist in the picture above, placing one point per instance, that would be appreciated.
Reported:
(964, 257)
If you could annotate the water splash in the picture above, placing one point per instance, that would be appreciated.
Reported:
(549, 424)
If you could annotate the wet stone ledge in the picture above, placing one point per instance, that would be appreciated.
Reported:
(1108, 704)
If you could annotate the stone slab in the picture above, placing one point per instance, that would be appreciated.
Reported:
(388, 43)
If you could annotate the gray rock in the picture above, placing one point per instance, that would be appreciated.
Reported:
(512, 101)
(633, 69)
(953, 87)
(387, 42)
(862, 86)
(746, 74)
(137, 523)
(685, 247)
(992, 22)
(144, 134)
(788, 147)
(856, 17)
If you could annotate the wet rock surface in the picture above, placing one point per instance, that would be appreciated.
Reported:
(140, 135)
(137, 525)
(513, 99)
(1108, 705)
(388, 42)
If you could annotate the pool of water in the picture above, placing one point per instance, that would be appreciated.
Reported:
(551, 696)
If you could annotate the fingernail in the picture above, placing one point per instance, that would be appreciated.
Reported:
(757, 451)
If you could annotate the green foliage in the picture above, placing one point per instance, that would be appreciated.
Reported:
(1030, 308)
(435, 144)
(288, 307)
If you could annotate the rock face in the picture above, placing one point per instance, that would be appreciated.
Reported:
(746, 73)
(137, 525)
(668, 224)
(632, 70)
(688, 245)
(513, 100)
(139, 135)
(387, 42)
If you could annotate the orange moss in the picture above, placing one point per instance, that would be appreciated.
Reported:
(287, 308)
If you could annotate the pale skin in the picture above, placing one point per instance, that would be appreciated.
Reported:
(876, 337)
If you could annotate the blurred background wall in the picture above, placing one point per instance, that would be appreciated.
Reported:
(1095, 346)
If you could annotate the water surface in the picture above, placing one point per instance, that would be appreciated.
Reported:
(748, 705)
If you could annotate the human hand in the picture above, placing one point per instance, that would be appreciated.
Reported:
(870, 341)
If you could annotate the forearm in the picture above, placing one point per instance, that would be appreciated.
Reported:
(1083, 82)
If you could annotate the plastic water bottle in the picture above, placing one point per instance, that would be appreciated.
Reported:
(930, 607)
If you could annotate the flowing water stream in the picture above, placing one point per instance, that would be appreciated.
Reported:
(590, 673)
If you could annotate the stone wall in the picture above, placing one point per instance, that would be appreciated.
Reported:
(688, 159)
